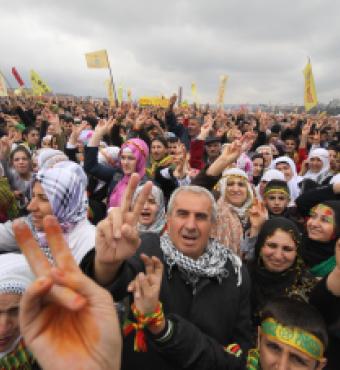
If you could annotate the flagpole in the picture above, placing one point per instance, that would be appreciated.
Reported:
(111, 77)
(7, 82)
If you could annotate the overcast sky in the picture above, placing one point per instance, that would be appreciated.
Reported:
(155, 46)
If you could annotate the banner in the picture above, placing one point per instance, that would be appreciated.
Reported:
(194, 92)
(221, 89)
(154, 101)
(97, 59)
(120, 94)
(110, 93)
(310, 97)
(39, 87)
(17, 77)
(3, 86)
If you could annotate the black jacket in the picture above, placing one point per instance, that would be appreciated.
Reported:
(215, 316)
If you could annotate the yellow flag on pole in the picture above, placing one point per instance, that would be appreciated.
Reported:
(97, 59)
(120, 94)
(221, 89)
(310, 97)
(194, 92)
(3, 86)
(39, 87)
(110, 94)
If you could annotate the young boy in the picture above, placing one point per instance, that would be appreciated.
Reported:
(292, 336)
(276, 198)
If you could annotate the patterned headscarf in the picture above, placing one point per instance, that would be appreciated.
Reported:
(158, 225)
(15, 274)
(47, 158)
(65, 191)
(140, 150)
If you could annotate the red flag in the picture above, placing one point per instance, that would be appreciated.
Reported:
(17, 77)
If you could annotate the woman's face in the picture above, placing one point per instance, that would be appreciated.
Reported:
(236, 191)
(267, 155)
(128, 163)
(315, 164)
(21, 163)
(258, 166)
(149, 211)
(39, 206)
(285, 169)
(279, 251)
(9, 320)
(158, 150)
(321, 223)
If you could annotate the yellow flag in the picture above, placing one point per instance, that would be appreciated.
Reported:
(221, 89)
(310, 97)
(129, 95)
(3, 86)
(39, 87)
(120, 94)
(97, 59)
(110, 94)
(194, 92)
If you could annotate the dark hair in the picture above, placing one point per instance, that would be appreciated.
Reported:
(173, 139)
(256, 156)
(162, 140)
(19, 148)
(29, 129)
(293, 313)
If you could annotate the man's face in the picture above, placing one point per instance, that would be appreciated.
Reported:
(334, 160)
(9, 320)
(190, 222)
(173, 148)
(276, 202)
(33, 137)
(213, 150)
(158, 150)
(194, 128)
(275, 355)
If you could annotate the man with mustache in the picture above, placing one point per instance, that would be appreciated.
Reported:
(204, 290)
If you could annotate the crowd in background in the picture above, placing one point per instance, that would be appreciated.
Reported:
(238, 230)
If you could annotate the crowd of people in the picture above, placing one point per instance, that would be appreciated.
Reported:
(187, 237)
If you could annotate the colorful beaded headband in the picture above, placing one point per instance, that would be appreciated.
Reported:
(297, 338)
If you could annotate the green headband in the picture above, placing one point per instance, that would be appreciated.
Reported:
(297, 338)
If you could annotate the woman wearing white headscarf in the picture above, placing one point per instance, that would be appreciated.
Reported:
(152, 217)
(287, 166)
(318, 165)
(58, 191)
(15, 277)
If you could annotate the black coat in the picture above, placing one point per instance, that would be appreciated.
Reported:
(215, 316)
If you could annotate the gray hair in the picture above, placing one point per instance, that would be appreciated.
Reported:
(196, 190)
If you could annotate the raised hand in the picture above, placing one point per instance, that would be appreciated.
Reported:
(146, 287)
(117, 237)
(66, 319)
(258, 214)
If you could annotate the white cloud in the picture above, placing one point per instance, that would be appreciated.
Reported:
(155, 46)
